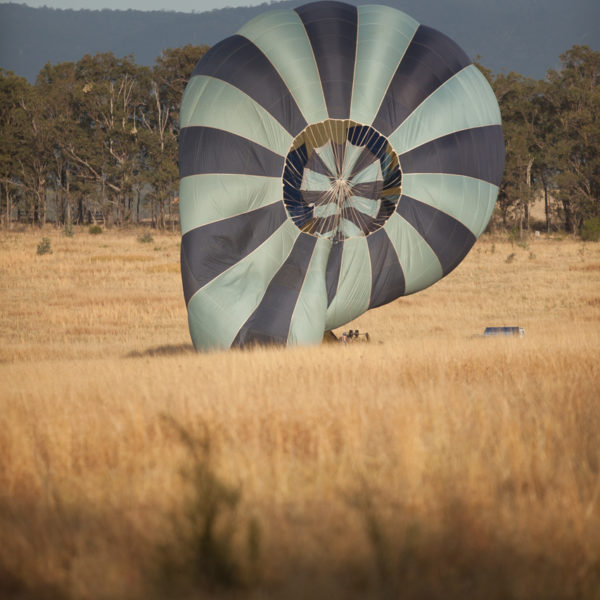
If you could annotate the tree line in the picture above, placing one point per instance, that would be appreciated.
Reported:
(552, 137)
(96, 140)
(93, 140)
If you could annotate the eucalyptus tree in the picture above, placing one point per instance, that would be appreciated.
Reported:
(57, 86)
(573, 95)
(160, 125)
(14, 94)
(34, 155)
(522, 106)
(110, 94)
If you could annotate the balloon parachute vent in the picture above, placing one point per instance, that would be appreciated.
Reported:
(341, 179)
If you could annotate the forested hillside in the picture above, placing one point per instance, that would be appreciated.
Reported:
(93, 135)
(526, 37)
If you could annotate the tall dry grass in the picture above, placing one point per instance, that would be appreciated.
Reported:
(429, 463)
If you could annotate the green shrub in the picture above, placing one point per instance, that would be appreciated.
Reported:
(68, 230)
(590, 230)
(44, 246)
(145, 238)
(95, 229)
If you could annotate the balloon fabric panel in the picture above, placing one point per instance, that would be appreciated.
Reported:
(386, 272)
(239, 62)
(270, 322)
(212, 249)
(332, 274)
(429, 61)
(229, 153)
(332, 31)
(472, 152)
(448, 238)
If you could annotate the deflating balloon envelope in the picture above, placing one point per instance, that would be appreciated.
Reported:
(332, 159)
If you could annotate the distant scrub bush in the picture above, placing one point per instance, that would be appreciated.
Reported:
(44, 246)
(514, 235)
(590, 230)
(145, 238)
(95, 229)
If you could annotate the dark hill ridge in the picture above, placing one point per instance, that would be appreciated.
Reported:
(526, 36)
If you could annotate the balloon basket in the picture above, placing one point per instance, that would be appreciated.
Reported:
(352, 336)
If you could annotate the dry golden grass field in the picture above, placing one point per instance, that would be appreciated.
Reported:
(429, 463)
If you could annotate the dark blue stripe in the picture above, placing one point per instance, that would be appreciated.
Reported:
(332, 30)
(190, 285)
(387, 277)
(239, 62)
(477, 152)
(270, 322)
(430, 59)
(371, 190)
(447, 237)
(208, 251)
(332, 273)
(294, 168)
(208, 150)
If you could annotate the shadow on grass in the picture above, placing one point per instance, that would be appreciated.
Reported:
(167, 350)
(464, 556)
(203, 555)
(213, 549)
(19, 586)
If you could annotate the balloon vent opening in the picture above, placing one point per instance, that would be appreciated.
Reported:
(341, 179)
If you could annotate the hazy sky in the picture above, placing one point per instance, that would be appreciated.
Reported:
(179, 5)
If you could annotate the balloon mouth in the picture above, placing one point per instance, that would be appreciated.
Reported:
(341, 179)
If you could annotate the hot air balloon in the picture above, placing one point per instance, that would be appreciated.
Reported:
(332, 159)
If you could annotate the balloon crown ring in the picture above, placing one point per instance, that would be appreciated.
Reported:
(341, 179)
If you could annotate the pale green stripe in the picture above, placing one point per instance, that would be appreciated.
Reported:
(282, 38)
(470, 201)
(348, 228)
(315, 181)
(354, 286)
(367, 206)
(371, 172)
(383, 36)
(215, 103)
(308, 321)
(217, 311)
(465, 101)
(328, 157)
(418, 261)
(351, 155)
(323, 211)
(211, 197)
